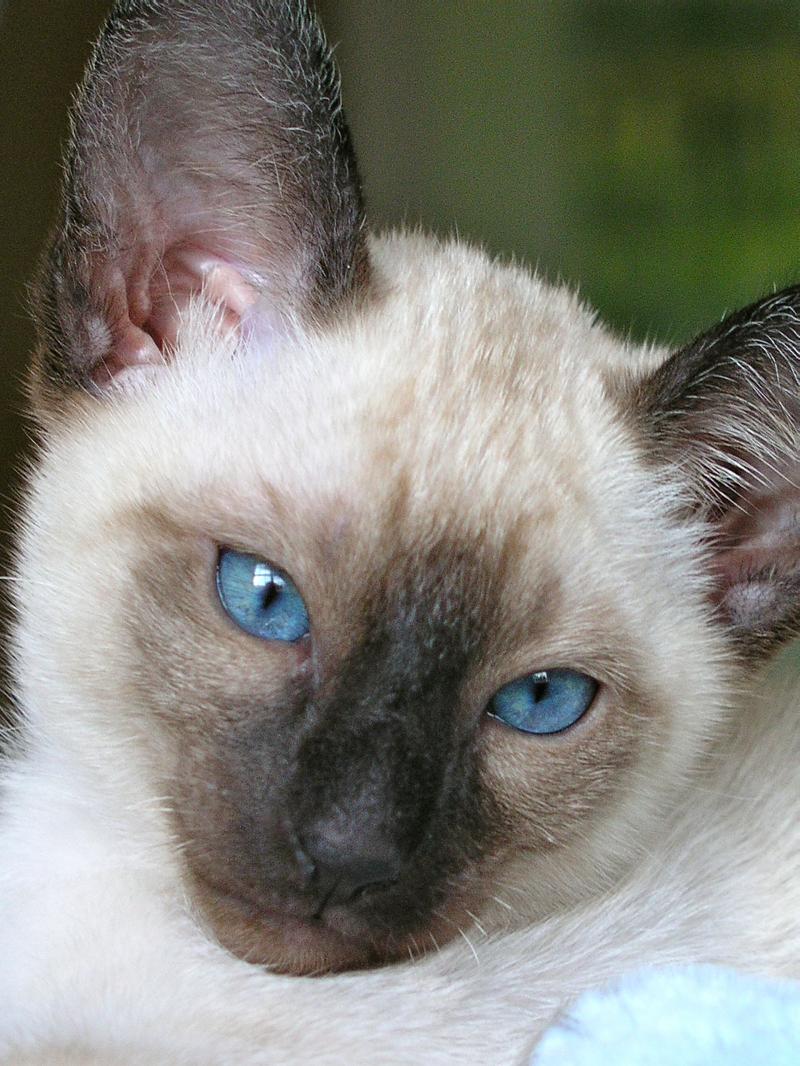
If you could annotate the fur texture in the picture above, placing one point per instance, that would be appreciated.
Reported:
(470, 480)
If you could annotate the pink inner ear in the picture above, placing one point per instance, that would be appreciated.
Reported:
(758, 550)
(152, 318)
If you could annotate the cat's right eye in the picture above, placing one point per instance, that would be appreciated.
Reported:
(259, 598)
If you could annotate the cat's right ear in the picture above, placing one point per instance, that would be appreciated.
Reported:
(208, 150)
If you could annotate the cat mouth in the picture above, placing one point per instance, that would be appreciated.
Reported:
(291, 939)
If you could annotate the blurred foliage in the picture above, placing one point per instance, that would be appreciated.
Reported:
(686, 124)
(648, 152)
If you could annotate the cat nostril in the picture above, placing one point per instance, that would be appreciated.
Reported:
(342, 875)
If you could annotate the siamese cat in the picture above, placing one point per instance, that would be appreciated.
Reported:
(396, 650)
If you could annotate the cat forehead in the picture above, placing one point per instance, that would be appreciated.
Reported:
(477, 319)
(449, 349)
(459, 380)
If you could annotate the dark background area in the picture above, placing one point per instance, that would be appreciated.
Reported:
(648, 152)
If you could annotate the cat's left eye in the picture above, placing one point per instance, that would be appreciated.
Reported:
(259, 598)
(548, 701)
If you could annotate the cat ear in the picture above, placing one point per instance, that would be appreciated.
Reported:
(725, 413)
(208, 150)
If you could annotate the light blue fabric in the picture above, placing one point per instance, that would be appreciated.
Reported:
(697, 1016)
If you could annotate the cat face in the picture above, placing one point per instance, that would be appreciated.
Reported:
(519, 582)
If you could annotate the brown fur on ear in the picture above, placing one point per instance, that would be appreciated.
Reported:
(209, 151)
(725, 413)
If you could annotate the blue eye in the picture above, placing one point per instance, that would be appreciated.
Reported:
(549, 701)
(259, 598)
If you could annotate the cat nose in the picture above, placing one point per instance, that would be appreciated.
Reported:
(338, 872)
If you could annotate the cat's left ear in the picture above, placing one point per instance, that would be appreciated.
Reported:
(208, 151)
(724, 413)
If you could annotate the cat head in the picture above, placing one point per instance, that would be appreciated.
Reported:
(372, 584)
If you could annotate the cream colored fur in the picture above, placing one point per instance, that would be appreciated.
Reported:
(104, 959)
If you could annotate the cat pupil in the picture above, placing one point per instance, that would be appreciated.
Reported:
(268, 594)
(268, 582)
(540, 687)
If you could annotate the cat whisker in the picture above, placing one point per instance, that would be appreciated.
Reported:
(469, 944)
(476, 922)
(502, 903)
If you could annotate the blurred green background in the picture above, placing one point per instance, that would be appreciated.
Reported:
(647, 152)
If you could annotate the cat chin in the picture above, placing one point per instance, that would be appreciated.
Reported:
(304, 946)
